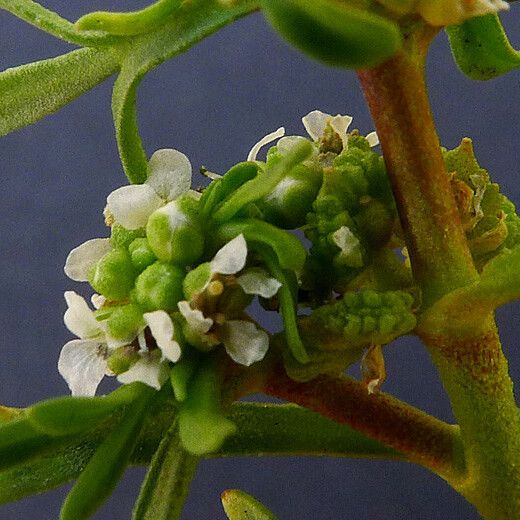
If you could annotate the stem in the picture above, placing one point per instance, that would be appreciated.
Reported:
(397, 97)
(423, 439)
(472, 367)
(475, 374)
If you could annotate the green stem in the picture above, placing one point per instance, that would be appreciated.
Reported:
(397, 97)
(167, 483)
(471, 363)
(474, 372)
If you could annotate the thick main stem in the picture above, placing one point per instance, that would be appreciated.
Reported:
(472, 367)
(397, 97)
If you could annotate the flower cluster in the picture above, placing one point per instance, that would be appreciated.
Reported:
(152, 302)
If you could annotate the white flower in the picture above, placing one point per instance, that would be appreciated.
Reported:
(83, 362)
(243, 341)
(315, 123)
(453, 12)
(169, 177)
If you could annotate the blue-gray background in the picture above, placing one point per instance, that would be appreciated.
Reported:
(213, 103)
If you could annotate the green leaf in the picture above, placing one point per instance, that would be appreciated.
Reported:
(131, 23)
(32, 91)
(287, 307)
(481, 48)
(263, 183)
(289, 250)
(241, 506)
(50, 22)
(108, 463)
(266, 429)
(192, 22)
(167, 482)
(72, 415)
(202, 425)
(20, 441)
(334, 33)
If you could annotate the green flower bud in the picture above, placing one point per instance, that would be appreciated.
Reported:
(141, 254)
(114, 275)
(174, 234)
(291, 199)
(196, 280)
(122, 237)
(375, 223)
(159, 286)
(125, 322)
(122, 359)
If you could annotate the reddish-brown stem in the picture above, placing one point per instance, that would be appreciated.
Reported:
(398, 100)
(421, 437)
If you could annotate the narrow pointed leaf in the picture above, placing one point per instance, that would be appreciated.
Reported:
(481, 48)
(334, 33)
(99, 478)
(241, 506)
(72, 415)
(287, 307)
(167, 482)
(130, 23)
(266, 429)
(52, 23)
(20, 441)
(30, 92)
(289, 250)
(191, 23)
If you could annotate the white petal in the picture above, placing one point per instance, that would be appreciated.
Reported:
(195, 319)
(349, 245)
(244, 342)
(285, 144)
(162, 329)
(269, 138)
(257, 281)
(82, 258)
(82, 365)
(373, 139)
(98, 300)
(279, 192)
(169, 173)
(340, 125)
(132, 205)
(79, 319)
(231, 258)
(315, 123)
(146, 370)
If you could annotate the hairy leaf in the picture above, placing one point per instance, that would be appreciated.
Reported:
(191, 23)
(72, 415)
(261, 428)
(108, 463)
(52, 23)
(481, 48)
(167, 481)
(32, 91)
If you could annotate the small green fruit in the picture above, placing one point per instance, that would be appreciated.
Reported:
(174, 234)
(114, 275)
(159, 286)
